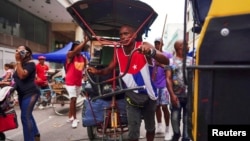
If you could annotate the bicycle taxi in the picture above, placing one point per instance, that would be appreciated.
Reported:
(104, 112)
(55, 94)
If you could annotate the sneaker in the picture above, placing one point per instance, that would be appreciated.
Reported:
(70, 119)
(41, 107)
(75, 123)
(168, 137)
(50, 105)
(159, 130)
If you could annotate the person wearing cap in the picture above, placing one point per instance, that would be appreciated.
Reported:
(41, 72)
(41, 77)
(163, 96)
(75, 64)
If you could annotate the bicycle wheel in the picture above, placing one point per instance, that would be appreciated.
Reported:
(61, 104)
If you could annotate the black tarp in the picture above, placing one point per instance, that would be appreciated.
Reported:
(105, 17)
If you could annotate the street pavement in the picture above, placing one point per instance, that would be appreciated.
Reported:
(55, 128)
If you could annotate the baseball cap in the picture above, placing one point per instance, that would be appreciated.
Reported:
(41, 57)
(158, 39)
(74, 44)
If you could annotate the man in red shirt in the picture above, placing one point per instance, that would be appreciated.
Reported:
(41, 73)
(75, 64)
(42, 80)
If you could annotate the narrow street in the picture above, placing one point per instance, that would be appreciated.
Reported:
(55, 128)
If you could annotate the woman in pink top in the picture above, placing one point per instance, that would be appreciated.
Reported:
(6, 78)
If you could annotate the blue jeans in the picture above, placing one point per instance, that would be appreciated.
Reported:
(176, 118)
(29, 124)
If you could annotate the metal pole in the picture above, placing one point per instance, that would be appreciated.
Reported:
(164, 26)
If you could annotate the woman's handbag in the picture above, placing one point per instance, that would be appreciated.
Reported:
(8, 120)
(136, 99)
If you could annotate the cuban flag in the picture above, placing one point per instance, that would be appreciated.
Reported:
(139, 72)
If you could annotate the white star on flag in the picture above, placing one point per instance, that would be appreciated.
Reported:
(134, 67)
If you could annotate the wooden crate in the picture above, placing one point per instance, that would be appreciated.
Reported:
(59, 88)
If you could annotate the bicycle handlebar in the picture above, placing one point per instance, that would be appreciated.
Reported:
(117, 92)
(114, 78)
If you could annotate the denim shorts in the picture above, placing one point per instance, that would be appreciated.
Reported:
(163, 96)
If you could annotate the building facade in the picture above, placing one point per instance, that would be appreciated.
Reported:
(32, 23)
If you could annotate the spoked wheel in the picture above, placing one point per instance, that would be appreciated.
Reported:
(2, 136)
(43, 101)
(61, 104)
(94, 135)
